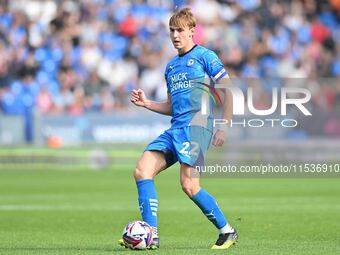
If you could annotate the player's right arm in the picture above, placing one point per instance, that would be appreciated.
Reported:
(138, 98)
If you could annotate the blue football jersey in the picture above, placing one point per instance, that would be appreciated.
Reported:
(190, 78)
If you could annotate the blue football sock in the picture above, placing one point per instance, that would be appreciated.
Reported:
(148, 202)
(210, 208)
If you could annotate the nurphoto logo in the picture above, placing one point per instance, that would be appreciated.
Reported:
(281, 99)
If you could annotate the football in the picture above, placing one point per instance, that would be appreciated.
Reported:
(137, 235)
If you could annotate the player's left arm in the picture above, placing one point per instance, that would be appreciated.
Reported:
(217, 72)
(227, 109)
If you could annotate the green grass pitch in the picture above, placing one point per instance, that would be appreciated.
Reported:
(48, 211)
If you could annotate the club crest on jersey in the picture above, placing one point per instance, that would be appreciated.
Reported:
(190, 62)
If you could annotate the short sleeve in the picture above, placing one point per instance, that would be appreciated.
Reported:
(213, 66)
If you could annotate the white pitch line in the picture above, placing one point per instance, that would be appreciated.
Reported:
(132, 207)
(62, 208)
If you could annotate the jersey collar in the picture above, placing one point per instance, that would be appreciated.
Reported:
(181, 55)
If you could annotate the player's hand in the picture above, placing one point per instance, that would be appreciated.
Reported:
(138, 97)
(219, 138)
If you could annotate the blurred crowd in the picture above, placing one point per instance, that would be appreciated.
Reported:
(86, 56)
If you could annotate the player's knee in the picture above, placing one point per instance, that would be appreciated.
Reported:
(140, 174)
(188, 188)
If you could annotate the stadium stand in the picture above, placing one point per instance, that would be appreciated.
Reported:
(73, 57)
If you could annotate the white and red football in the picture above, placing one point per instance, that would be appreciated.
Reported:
(137, 235)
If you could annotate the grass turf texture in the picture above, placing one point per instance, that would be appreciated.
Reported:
(84, 212)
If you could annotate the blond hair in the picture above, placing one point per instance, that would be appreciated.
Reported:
(183, 18)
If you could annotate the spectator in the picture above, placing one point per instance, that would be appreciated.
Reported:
(88, 56)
